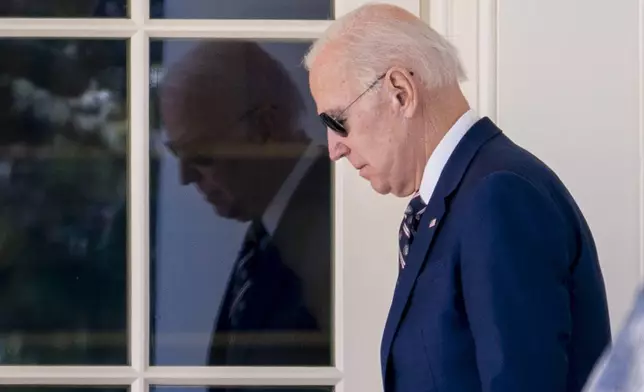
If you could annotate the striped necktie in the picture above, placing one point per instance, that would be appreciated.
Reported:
(408, 227)
(255, 242)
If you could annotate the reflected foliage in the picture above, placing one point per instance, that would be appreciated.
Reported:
(63, 8)
(29, 388)
(63, 140)
(71, 8)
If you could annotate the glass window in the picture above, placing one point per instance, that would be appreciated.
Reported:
(241, 207)
(63, 116)
(64, 8)
(242, 9)
(71, 388)
(241, 389)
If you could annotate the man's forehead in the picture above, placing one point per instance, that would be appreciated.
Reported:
(331, 94)
(329, 79)
(201, 135)
(190, 119)
(184, 142)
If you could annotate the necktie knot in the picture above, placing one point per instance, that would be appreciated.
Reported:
(408, 227)
(416, 207)
(256, 238)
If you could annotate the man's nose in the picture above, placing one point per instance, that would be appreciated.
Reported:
(337, 149)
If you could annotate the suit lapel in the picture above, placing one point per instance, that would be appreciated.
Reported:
(429, 225)
(422, 242)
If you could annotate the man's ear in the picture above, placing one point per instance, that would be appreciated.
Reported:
(404, 89)
(264, 121)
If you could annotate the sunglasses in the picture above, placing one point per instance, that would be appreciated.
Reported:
(336, 123)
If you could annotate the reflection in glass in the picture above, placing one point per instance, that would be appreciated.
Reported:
(70, 388)
(63, 132)
(64, 8)
(242, 9)
(241, 389)
(241, 185)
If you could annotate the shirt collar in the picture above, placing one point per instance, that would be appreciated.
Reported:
(437, 161)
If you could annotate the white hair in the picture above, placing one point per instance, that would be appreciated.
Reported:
(372, 41)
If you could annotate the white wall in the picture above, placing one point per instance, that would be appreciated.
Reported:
(564, 79)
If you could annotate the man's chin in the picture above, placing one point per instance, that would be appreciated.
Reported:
(392, 188)
(380, 187)
(228, 212)
(402, 192)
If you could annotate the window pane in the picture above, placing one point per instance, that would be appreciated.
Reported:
(63, 132)
(241, 389)
(64, 8)
(242, 9)
(71, 388)
(241, 204)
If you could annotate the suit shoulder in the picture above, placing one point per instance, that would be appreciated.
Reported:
(503, 160)
(506, 177)
(506, 189)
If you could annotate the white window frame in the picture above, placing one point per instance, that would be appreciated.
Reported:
(362, 372)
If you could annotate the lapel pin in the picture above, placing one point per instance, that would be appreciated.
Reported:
(432, 223)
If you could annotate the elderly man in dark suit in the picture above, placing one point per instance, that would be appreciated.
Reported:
(232, 113)
(500, 289)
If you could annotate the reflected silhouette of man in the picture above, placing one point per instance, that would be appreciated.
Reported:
(232, 116)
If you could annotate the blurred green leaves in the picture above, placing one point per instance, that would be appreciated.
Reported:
(63, 188)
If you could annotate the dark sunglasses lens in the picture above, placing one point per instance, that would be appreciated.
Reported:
(334, 124)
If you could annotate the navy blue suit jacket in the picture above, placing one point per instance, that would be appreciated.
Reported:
(503, 293)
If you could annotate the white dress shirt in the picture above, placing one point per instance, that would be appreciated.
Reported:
(437, 161)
